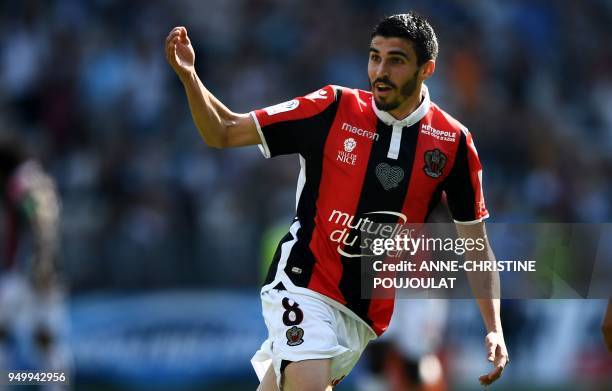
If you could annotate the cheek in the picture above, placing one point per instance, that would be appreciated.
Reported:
(403, 77)
(371, 71)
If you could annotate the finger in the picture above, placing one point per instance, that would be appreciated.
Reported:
(169, 49)
(174, 55)
(491, 376)
(184, 37)
(171, 54)
(501, 360)
(186, 40)
(491, 351)
(173, 34)
(484, 380)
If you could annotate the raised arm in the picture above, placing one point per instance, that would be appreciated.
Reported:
(218, 126)
(486, 288)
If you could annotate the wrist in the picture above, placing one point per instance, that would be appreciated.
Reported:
(187, 76)
(497, 330)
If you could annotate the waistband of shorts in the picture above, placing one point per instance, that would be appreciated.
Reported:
(328, 300)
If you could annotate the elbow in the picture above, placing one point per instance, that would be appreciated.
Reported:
(217, 141)
(216, 144)
(220, 143)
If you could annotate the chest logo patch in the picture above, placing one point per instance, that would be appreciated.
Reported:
(389, 176)
(346, 155)
(295, 336)
(349, 144)
(434, 163)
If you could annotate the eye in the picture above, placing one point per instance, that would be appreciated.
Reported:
(397, 60)
(374, 57)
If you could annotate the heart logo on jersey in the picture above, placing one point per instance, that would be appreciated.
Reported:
(389, 176)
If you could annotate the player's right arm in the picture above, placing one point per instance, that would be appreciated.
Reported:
(218, 126)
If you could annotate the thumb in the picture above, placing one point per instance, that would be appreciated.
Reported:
(491, 351)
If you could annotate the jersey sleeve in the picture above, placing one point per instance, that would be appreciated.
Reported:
(463, 186)
(298, 125)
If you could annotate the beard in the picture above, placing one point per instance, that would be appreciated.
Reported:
(405, 91)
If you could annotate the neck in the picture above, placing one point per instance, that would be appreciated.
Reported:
(410, 105)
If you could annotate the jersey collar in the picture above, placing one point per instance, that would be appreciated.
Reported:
(412, 118)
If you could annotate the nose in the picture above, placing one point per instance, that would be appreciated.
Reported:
(382, 70)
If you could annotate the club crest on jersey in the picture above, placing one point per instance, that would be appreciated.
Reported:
(295, 336)
(282, 107)
(389, 176)
(346, 155)
(350, 144)
(434, 163)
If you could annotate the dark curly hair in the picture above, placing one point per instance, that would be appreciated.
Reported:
(415, 29)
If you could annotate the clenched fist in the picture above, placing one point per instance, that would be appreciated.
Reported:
(180, 53)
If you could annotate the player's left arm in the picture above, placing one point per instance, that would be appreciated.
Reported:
(486, 289)
(606, 327)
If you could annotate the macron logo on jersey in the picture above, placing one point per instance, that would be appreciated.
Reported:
(359, 132)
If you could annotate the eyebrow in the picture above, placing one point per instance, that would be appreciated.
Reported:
(393, 52)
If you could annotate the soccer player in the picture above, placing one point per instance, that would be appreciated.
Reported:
(383, 156)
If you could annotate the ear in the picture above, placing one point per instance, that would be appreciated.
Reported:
(428, 69)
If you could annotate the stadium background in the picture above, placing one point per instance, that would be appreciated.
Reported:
(163, 238)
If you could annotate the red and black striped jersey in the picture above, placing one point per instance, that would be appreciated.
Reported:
(359, 165)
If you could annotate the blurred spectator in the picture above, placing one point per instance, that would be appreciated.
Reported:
(31, 300)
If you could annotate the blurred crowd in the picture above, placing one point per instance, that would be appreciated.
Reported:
(147, 205)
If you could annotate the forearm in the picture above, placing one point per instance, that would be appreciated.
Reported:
(211, 117)
(489, 309)
(486, 289)
(485, 285)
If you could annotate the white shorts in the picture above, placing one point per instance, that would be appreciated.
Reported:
(303, 327)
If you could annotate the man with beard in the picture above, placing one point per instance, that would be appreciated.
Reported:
(384, 156)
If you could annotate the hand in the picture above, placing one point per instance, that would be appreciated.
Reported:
(497, 354)
(179, 52)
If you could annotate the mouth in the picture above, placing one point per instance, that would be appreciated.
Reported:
(382, 88)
